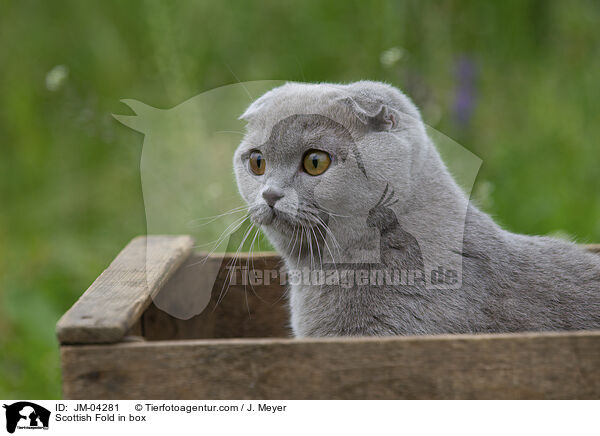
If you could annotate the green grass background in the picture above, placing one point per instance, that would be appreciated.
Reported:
(70, 194)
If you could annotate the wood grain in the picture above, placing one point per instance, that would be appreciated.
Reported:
(244, 311)
(237, 310)
(117, 299)
(500, 366)
(166, 364)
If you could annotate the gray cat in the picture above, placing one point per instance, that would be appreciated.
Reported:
(349, 188)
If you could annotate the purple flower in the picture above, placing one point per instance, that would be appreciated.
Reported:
(464, 100)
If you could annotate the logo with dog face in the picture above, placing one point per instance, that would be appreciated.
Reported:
(188, 187)
(26, 415)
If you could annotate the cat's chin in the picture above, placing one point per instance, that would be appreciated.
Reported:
(272, 218)
(263, 216)
(265, 219)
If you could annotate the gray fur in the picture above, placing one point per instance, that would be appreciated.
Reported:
(376, 138)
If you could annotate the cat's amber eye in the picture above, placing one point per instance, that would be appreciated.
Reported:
(316, 162)
(257, 163)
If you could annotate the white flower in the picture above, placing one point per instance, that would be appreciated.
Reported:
(391, 56)
(56, 77)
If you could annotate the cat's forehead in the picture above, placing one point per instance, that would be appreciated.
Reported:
(295, 135)
(295, 98)
(306, 126)
(283, 108)
(354, 105)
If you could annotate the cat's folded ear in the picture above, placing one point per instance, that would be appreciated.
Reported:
(374, 115)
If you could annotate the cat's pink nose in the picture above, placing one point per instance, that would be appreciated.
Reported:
(272, 195)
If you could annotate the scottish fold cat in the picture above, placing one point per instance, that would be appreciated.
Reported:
(351, 191)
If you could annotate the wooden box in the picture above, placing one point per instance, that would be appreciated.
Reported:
(116, 344)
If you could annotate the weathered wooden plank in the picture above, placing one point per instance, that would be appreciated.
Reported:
(234, 310)
(137, 329)
(241, 311)
(503, 366)
(117, 299)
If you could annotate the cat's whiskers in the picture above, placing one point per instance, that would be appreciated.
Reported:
(314, 221)
(312, 208)
(241, 207)
(300, 245)
(327, 230)
(297, 229)
(327, 246)
(320, 258)
(311, 249)
(250, 258)
(333, 238)
(229, 230)
(290, 241)
(256, 238)
(226, 233)
(232, 268)
(191, 223)
(230, 271)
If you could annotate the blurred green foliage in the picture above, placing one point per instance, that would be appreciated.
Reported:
(69, 173)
